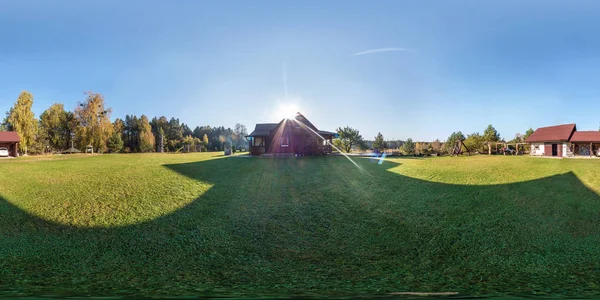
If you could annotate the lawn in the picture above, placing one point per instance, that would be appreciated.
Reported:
(203, 224)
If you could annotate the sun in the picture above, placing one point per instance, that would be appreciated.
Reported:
(287, 110)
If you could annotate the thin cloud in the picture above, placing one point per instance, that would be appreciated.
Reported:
(380, 50)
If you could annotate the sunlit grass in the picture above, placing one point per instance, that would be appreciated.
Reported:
(98, 191)
(195, 224)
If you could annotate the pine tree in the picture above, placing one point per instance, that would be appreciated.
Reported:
(379, 142)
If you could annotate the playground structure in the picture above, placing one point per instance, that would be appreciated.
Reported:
(457, 149)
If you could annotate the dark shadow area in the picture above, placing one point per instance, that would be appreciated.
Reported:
(319, 226)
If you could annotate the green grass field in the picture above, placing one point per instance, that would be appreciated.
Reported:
(201, 224)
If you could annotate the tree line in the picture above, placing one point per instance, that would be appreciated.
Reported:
(89, 126)
(350, 139)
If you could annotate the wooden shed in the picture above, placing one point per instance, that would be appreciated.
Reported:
(291, 136)
(10, 140)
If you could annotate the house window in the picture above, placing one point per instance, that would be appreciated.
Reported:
(285, 141)
(258, 142)
(536, 147)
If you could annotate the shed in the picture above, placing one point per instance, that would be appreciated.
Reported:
(10, 140)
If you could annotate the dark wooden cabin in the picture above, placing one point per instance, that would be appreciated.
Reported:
(10, 140)
(291, 136)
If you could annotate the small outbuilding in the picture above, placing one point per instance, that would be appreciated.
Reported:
(564, 141)
(10, 140)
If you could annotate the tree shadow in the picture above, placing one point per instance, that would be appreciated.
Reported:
(318, 226)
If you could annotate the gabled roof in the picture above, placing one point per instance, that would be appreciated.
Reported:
(559, 133)
(586, 136)
(263, 129)
(9, 136)
(302, 119)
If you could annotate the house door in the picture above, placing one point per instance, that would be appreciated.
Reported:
(554, 149)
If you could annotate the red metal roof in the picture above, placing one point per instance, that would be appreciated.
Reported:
(559, 133)
(9, 136)
(586, 136)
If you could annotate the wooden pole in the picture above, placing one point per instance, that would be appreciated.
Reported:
(590, 149)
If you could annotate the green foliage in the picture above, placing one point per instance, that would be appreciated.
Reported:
(528, 133)
(408, 147)
(451, 141)
(490, 134)
(348, 138)
(93, 123)
(436, 147)
(54, 125)
(475, 142)
(115, 143)
(5, 125)
(379, 143)
(146, 136)
(22, 120)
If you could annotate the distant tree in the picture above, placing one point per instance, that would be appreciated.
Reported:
(185, 130)
(379, 143)
(348, 138)
(94, 126)
(528, 133)
(5, 126)
(436, 146)
(519, 138)
(408, 147)
(40, 141)
(188, 141)
(490, 135)
(198, 144)
(239, 133)
(205, 140)
(115, 143)
(22, 120)
(146, 136)
(429, 148)
(175, 133)
(450, 142)
(118, 126)
(131, 133)
(475, 142)
(421, 148)
(54, 127)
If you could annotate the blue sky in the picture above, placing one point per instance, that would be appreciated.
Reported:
(467, 63)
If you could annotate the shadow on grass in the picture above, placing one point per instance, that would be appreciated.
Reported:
(320, 226)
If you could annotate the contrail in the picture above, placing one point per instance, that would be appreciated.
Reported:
(284, 79)
(380, 50)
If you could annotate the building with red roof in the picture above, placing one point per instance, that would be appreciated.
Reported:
(10, 140)
(564, 141)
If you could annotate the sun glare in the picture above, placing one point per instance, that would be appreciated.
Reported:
(287, 110)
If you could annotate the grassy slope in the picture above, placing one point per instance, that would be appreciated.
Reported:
(196, 224)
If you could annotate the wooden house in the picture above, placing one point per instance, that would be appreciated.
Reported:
(295, 136)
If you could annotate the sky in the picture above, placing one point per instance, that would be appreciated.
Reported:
(418, 69)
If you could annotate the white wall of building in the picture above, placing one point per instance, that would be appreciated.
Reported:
(537, 149)
(567, 150)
